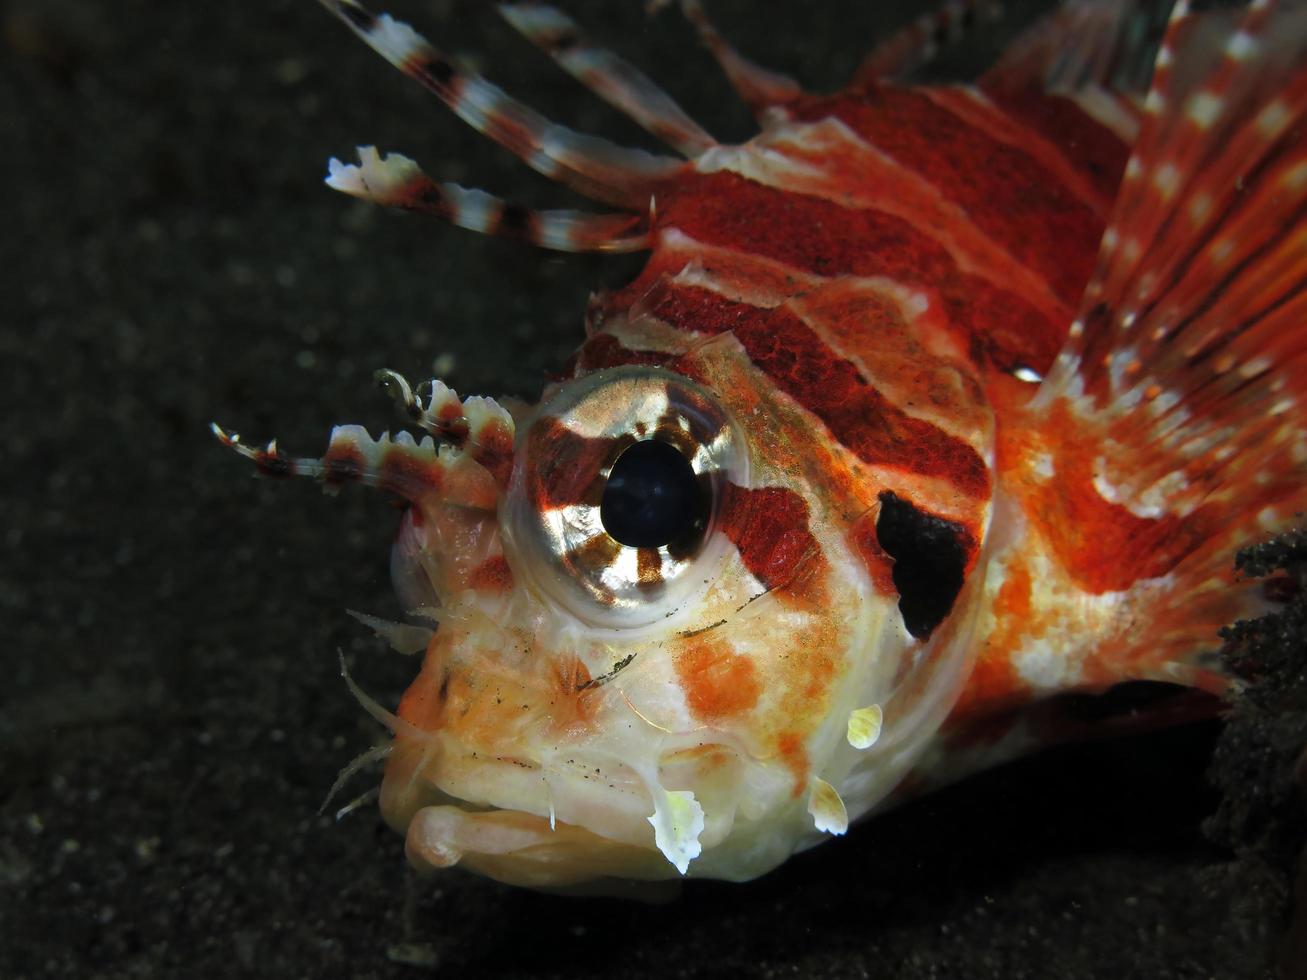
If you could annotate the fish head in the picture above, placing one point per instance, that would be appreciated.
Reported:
(668, 638)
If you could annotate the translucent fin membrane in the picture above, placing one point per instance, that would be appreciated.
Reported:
(757, 86)
(1100, 44)
(917, 44)
(594, 167)
(613, 79)
(396, 181)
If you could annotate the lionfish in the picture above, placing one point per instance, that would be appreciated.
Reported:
(932, 405)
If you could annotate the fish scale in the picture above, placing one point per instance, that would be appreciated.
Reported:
(972, 391)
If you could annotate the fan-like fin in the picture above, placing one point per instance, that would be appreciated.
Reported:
(1105, 44)
(1171, 428)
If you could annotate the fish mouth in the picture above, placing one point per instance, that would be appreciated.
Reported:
(523, 849)
(458, 808)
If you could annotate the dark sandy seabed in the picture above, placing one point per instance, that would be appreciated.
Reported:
(172, 714)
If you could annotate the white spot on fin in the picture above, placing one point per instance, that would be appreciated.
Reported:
(864, 726)
(677, 822)
(827, 809)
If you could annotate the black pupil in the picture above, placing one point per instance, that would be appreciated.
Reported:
(653, 497)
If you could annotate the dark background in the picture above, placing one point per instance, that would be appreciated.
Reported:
(170, 709)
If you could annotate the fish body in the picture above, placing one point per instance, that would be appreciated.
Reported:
(931, 406)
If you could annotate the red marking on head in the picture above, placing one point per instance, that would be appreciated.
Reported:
(789, 745)
(769, 527)
(492, 575)
(801, 364)
(717, 682)
(564, 467)
(605, 351)
(1005, 191)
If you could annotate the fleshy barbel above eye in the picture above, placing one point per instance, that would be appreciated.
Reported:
(616, 491)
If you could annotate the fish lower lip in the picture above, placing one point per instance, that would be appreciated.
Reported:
(522, 848)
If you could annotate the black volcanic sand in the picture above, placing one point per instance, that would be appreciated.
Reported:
(172, 712)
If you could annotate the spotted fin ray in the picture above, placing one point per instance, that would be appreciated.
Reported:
(1170, 428)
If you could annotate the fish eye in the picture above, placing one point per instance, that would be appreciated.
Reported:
(653, 498)
(616, 485)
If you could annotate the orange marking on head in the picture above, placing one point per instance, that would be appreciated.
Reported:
(718, 683)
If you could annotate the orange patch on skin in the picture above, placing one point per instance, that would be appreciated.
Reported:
(718, 683)
(792, 752)
(1102, 545)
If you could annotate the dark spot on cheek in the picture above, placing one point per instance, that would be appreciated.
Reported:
(930, 556)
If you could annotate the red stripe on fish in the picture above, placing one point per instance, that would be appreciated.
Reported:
(785, 349)
(769, 527)
(1005, 190)
(1078, 150)
(1000, 327)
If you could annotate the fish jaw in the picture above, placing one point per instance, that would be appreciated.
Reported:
(523, 849)
(519, 757)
